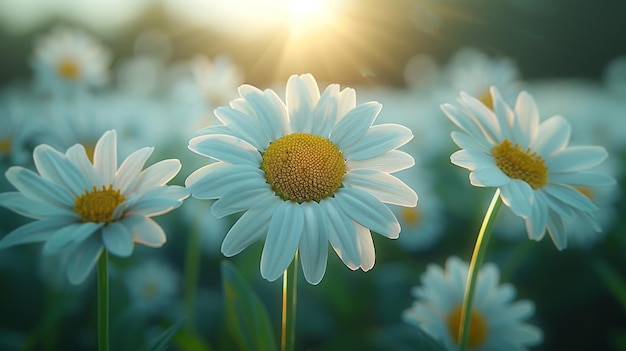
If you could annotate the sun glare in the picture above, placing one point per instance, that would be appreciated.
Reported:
(309, 15)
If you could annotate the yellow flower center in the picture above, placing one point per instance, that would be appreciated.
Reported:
(486, 99)
(411, 216)
(5, 146)
(68, 69)
(518, 163)
(303, 167)
(478, 328)
(98, 205)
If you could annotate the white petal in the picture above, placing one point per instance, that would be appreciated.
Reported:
(159, 201)
(463, 121)
(245, 126)
(220, 179)
(378, 140)
(283, 237)
(464, 141)
(342, 233)
(389, 162)
(527, 118)
(105, 157)
(117, 239)
(471, 160)
(552, 136)
(32, 232)
(313, 247)
(354, 124)
(584, 178)
(145, 231)
(576, 158)
(77, 155)
(366, 248)
(386, 188)
(270, 110)
(238, 199)
(157, 175)
(538, 219)
(33, 186)
(250, 227)
(366, 210)
(226, 148)
(197, 175)
(570, 196)
(489, 177)
(84, 259)
(35, 208)
(503, 113)
(52, 165)
(72, 233)
(326, 111)
(519, 196)
(301, 95)
(482, 116)
(128, 173)
(556, 230)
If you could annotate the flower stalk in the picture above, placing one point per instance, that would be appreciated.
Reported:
(288, 335)
(480, 249)
(103, 301)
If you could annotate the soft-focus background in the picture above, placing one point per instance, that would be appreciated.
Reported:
(174, 61)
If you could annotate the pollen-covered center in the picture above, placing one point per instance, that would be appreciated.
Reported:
(98, 205)
(478, 328)
(303, 167)
(521, 164)
(68, 69)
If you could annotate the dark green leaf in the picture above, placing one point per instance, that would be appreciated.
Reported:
(246, 316)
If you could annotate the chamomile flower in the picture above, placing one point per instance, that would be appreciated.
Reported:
(306, 172)
(82, 208)
(528, 160)
(497, 321)
(152, 285)
(474, 72)
(69, 60)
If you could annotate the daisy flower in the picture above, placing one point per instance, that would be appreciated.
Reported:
(307, 171)
(69, 60)
(152, 285)
(82, 208)
(474, 72)
(528, 160)
(497, 322)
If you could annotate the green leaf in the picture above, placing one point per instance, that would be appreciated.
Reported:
(246, 316)
(160, 343)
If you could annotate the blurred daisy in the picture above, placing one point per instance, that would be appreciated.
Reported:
(422, 226)
(82, 207)
(497, 322)
(306, 172)
(218, 78)
(152, 285)
(19, 130)
(473, 72)
(529, 161)
(69, 60)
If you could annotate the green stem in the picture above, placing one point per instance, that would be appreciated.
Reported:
(477, 258)
(192, 267)
(103, 302)
(288, 335)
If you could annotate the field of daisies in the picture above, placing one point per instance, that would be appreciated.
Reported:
(148, 203)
